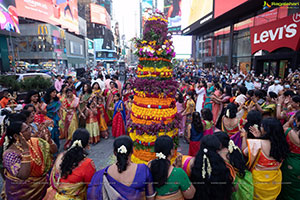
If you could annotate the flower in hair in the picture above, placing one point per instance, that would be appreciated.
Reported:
(122, 149)
(232, 146)
(160, 155)
(76, 143)
(227, 113)
(205, 150)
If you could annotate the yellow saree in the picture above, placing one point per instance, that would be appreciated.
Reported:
(266, 172)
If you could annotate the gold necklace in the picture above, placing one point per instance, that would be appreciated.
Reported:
(37, 160)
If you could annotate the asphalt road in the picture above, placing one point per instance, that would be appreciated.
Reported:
(102, 153)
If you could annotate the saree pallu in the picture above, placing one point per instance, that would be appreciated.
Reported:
(71, 120)
(216, 108)
(245, 187)
(64, 191)
(52, 112)
(36, 185)
(176, 196)
(186, 165)
(267, 184)
(110, 103)
(291, 177)
(208, 127)
(102, 183)
(33, 188)
(207, 103)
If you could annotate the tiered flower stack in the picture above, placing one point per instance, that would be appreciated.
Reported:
(154, 110)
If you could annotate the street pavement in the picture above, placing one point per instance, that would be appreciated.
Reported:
(102, 153)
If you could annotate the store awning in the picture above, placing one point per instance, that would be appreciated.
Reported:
(277, 34)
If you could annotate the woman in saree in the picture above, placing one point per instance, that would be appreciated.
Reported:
(180, 108)
(62, 95)
(234, 160)
(96, 89)
(209, 92)
(189, 109)
(231, 124)
(207, 121)
(84, 98)
(195, 130)
(169, 182)
(102, 118)
(216, 107)
(33, 98)
(109, 94)
(27, 162)
(286, 107)
(265, 154)
(223, 101)
(119, 117)
(127, 92)
(72, 170)
(124, 179)
(53, 112)
(70, 105)
(268, 108)
(291, 165)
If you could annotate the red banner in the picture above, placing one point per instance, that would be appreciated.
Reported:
(281, 33)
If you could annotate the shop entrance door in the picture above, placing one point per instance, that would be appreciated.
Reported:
(276, 68)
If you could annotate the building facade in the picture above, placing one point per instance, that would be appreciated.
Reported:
(230, 37)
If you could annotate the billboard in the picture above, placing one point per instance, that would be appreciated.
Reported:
(172, 10)
(56, 12)
(99, 15)
(9, 20)
(222, 6)
(147, 7)
(193, 10)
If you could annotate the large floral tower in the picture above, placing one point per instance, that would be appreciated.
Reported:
(154, 108)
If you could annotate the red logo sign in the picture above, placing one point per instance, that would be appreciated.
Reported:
(281, 33)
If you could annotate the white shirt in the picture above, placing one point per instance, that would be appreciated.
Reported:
(275, 88)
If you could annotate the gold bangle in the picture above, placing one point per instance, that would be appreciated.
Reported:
(26, 161)
(26, 155)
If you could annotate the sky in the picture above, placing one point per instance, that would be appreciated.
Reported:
(127, 13)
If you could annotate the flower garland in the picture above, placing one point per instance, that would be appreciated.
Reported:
(156, 101)
(155, 59)
(153, 128)
(172, 105)
(145, 138)
(160, 96)
(154, 74)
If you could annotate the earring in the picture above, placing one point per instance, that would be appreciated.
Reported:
(18, 142)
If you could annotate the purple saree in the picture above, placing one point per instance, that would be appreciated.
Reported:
(103, 186)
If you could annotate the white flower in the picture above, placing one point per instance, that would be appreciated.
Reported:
(164, 46)
(122, 149)
(160, 155)
(205, 150)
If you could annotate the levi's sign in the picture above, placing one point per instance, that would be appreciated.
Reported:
(281, 33)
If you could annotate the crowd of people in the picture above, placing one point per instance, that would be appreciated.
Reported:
(243, 133)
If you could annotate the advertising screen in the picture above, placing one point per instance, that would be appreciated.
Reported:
(99, 15)
(56, 12)
(172, 10)
(147, 6)
(8, 16)
(222, 6)
(193, 10)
